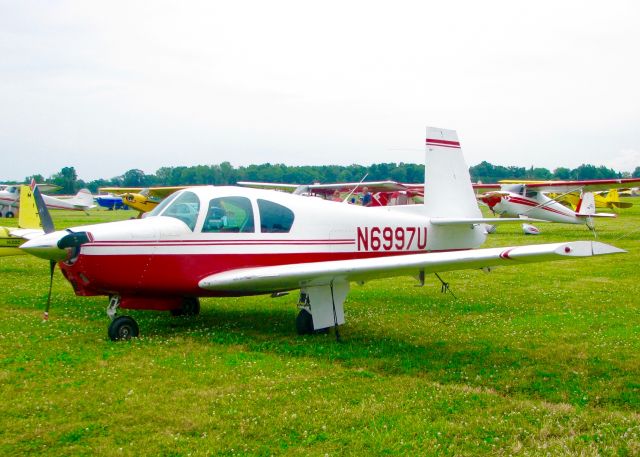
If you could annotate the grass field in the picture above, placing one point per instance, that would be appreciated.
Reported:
(530, 360)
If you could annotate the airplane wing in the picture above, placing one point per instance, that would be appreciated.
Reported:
(294, 276)
(269, 185)
(119, 190)
(163, 192)
(374, 186)
(160, 192)
(483, 220)
(589, 185)
(481, 188)
(48, 187)
(26, 233)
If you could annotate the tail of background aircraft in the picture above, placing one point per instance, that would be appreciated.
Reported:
(586, 205)
(447, 189)
(83, 199)
(612, 200)
(28, 216)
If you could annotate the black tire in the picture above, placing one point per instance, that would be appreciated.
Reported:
(190, 307)
(304, 323)
(123, 328)
(8, 214)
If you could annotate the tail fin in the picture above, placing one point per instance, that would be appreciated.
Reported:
(586, 205)
(83, 198)
(447, 189)
(28, 216)
(612, 200)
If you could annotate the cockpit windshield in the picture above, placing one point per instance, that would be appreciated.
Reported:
(163, 204)
(185, 207)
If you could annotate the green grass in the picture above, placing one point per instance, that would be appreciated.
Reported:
(529, 360)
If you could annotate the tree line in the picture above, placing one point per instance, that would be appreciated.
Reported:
(226, 174)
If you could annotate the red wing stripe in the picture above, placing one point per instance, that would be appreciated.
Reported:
(505, 254)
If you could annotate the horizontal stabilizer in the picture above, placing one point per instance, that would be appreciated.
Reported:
(294, 276)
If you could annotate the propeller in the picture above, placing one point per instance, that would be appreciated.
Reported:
(48, 227)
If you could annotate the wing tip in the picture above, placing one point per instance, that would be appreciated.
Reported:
(587, 249)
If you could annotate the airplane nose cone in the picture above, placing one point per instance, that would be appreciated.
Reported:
(46, 246)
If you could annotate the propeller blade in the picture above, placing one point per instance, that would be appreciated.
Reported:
(45, 216)
(52, 267)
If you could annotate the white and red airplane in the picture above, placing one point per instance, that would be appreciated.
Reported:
(82, 201)
(529, 199)
(232, 241)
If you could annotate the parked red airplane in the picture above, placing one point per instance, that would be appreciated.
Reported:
(231, 241)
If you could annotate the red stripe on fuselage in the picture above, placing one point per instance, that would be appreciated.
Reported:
(302, 242)
(178, 275)
(534, 204)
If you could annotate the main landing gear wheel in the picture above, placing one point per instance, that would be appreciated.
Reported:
(304, 323)
(190, 307)
(123, 328)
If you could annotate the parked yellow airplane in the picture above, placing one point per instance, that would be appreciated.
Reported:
(140, 198)
(609, 199)
(12, 238)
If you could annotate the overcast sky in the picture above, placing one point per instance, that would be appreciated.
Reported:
(114, 85)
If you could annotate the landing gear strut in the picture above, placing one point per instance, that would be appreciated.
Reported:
(121, 327)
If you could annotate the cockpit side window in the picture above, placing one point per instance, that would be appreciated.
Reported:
(274, 218)
(230, 215)
(184, 207)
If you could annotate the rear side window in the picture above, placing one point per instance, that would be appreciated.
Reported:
(274, 218)
(229, 214)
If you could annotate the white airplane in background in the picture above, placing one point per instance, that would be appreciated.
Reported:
(82, 201)
(530, 199)
(231, 241)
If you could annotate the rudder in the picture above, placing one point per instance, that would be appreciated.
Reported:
(447, 190)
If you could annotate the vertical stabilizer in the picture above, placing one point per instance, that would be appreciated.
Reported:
(447, 189)
(28, 216)
(83, 198)
(586, 205)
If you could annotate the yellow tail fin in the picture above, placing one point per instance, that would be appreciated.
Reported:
(28, 216)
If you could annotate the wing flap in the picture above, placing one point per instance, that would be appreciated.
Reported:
(294, 276)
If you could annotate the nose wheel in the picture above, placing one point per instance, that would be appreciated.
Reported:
(123, 328)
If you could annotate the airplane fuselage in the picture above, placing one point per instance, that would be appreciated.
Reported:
(11, 197)
(535, 206)
(167, 253)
